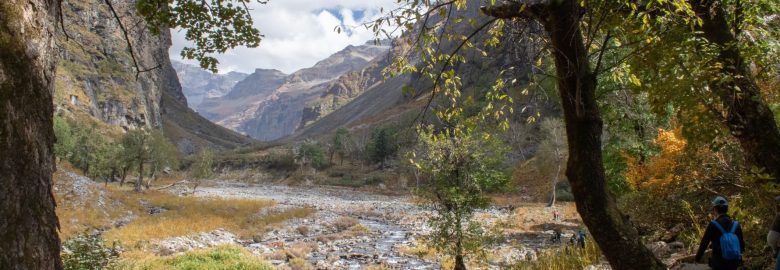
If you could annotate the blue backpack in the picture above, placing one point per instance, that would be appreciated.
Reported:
(729, 243)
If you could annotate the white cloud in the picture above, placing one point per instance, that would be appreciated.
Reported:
(298, 33)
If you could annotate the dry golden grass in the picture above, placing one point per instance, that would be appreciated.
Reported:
(419, 250)
(80, 212)
(343, 223)
(300, 264)
(528, 216)
(377, 267)
(352, 231)
(101, 205)
(565, 258)
(189, 215)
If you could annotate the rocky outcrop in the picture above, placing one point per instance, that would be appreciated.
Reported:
(345, 88)
(96, 74)
(97, 78)
(199, 84)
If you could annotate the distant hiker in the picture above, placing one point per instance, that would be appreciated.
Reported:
(581, 238)
(556, 237)
(725, 235)
(773, 236)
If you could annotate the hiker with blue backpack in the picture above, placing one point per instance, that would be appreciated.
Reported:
(773, 237)
(724, 236)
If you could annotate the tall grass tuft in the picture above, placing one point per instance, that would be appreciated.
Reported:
(564, 258)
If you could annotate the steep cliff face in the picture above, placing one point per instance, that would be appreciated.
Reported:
(198, 84)
(95, 76)
(97, 79)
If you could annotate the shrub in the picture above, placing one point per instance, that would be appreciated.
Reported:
(375, 178)
(219, 258)
(303, 230)
(383, 145)
(203, 167)
(88, 252)
(564, 258)
(311, 154)
(343, 223)
(283, 161)
(563, 192)
(337, 174)
(300, 264)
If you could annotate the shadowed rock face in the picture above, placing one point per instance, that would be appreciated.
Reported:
(96, 77)
(268, 104)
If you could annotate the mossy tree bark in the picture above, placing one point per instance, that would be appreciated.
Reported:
(576, 82)
(747, 115)
(614, 233)
(28, 223)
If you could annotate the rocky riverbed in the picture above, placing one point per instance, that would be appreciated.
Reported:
(352, 229)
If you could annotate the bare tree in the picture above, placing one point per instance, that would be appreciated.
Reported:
(552, 153)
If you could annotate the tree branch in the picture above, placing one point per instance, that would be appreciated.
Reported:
(531, 9)
(447, 64)
(62, 21)
(138, 69)
(601, 53)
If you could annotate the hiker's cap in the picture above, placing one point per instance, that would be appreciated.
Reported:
(720, 201)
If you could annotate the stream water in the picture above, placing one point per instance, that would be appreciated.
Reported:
(391, 222)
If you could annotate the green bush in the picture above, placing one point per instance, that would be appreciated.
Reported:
(383, 145)
(283, 161)
(375, 178)
(219, 258)
(88, 252)
(563, 192)
(311, 154)
(337, 174)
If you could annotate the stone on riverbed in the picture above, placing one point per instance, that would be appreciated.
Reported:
(182, 244)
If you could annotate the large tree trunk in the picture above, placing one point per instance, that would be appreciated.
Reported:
(124, 176)
(747, 115)
(614, 233)
(28, 223)
(140, 176)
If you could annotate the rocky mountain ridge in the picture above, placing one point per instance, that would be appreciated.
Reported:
(268, 104)
(364, 100)
(198, 84)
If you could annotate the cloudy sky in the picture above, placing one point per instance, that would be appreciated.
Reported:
(298, 33)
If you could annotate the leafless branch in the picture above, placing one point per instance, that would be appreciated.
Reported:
(138, 69)
(601, 52)
(62, 21)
